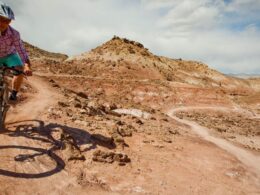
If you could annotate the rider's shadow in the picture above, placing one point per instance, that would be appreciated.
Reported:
(55, 135)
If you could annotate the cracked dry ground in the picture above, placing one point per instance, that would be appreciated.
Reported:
(66, 138)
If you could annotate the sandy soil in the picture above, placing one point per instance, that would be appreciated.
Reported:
(47, 149)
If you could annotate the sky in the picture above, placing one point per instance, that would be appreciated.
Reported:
(225, 34)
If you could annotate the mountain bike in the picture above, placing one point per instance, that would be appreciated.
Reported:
(4, 91)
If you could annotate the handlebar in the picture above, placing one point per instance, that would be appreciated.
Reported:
(5, 67)
(15, 70)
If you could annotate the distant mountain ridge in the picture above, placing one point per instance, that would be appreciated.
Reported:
(37, 53)
(244, 75)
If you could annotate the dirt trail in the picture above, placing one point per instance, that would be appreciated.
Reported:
(43, 173)
(45, 97)
(92, 77)
(249, 159)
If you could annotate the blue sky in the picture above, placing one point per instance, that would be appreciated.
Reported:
(225, 34)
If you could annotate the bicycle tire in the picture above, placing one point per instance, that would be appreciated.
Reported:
(3, 105)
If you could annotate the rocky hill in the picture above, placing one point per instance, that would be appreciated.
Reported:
(37, 53)
(121, 58)
(129, 59)
(42, 59)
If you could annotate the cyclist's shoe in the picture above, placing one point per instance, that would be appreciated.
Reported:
(13, 97)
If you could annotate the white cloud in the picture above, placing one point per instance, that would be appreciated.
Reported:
(155, 4)
(190, 16)
(224, 35)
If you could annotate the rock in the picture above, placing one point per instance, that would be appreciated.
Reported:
(123, 158)
(120, 123)
(98, 118)
(165, 119)
(74, 100)
(121, 164)
(74, 118)
(62, 104)
(55, 85)
(50, 110)
(103, 139)
(77, 105)
(51, 81)
(221, 129)
(93, 108)
(109, 107)
(125, 131)
(139, 45)
(167, 139)
(82, 111)
(100, 156)
(138, 121)
(69, 112)
(146, 141)
(83, 95)
(99, 91)
(110, 157)
(158, 145)
(113, 106)
(174, 132)
(118, 138)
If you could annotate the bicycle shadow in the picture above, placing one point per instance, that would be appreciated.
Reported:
(60, 164)
(55, 135)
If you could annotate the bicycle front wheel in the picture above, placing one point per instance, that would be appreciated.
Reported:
(3, 105)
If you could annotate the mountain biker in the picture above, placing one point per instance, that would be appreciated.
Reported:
(12, 50)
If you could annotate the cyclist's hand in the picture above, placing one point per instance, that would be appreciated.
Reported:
(27, 70)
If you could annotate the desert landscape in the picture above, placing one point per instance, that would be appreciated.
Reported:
(120, 120)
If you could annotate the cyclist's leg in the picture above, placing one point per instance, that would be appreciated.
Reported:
(15, 61)
(17, 80)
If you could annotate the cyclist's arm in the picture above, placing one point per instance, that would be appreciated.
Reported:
(28, 63)
(22, 52)
(19, 46)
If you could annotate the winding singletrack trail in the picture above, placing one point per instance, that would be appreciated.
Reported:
(249, 159)
(41, 172)
(44, 98)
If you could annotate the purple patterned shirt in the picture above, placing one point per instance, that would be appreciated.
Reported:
(10, 42)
